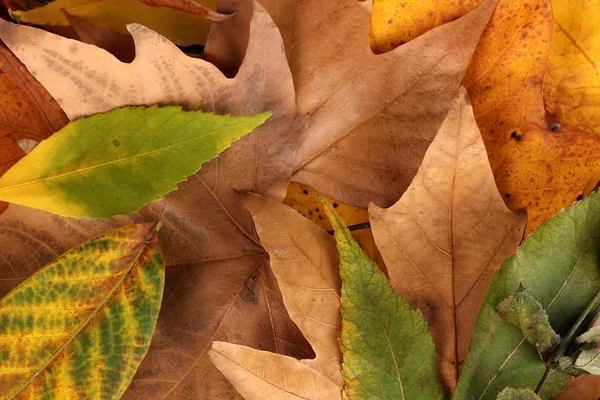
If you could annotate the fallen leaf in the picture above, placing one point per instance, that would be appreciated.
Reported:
(25, 4)
(572, 79)
(447, 235)
(305, 262)
(535, 167)
(188, 6)
(517, 394)
(387, 349)
(395, 22)
(117, 162)
(80, 326)
(584, 387)
(26, 111)
(558, 264)
(182, 28)
(116, 43)
(218, 285)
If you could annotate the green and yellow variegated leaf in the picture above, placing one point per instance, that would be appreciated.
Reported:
(388, 351)
(117, 162)
(79, 327)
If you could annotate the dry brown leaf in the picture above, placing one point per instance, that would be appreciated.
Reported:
(447, 235)
(219, 286)
(188, 6)
(304, 259)
(369, 118)
(26, 111)
(584, 387)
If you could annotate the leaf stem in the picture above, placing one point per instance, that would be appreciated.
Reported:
(568, 341)
(356, 227)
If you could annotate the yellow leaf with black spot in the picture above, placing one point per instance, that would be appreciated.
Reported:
(79, 327)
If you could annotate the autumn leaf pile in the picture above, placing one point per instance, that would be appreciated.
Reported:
(172, 173)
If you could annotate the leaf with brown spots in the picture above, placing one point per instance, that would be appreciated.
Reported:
(27, 112)
(537, 167)
(218, 282)
(447, 235)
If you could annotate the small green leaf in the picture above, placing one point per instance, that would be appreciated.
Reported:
(117, 162)
(388, 351)
(559, 264)
(593, 335)
(80, 326)
(517, 394)
(526, 313)
(589, 361)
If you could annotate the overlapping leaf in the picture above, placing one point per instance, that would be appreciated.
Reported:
(182, 28)
(558, 264)
(305, 262)
(447, 235)
(81, 325)
(27, 112)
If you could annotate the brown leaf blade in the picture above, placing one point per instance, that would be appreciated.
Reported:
(188, 6)
(305, 261)
(443, 240)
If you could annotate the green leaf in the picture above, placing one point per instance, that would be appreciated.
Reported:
(517, 394)
(79, 327)
(117, 162)
(559, 265)
(388, 351)
(589, 361)
(526, 313)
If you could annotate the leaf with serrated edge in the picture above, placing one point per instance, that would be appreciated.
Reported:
(388, 351)
(304, 260)
(219, 285)
(446, 236)
(526, 313)
(81, 325)
(558, 264)
(132, 156)
(517, 394)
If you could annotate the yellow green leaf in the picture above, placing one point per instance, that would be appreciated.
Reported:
(117, 162)
(79, 327)
(387, 348)
(181, 28)
(572, 81)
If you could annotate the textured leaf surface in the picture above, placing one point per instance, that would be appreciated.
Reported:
(589, 360)
(305, 261)
(526, 313)
(219, 285)
(572, 83)
(558, 264)
(443, 240)
(388, 351)
(589, 336)
(26, 111)
(81, 325)
(182, 28)
(517, 394)
(132, 157)
(395, 22)
(535, 167)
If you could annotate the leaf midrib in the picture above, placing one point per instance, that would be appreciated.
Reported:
(140, 155)
(92, 315)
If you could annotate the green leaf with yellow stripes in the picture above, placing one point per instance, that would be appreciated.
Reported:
(80, 326)
(387, 348)
(117, 162)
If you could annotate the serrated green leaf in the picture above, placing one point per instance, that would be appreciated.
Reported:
(526, 313)
(387, 348)
(117, 162)
(589, 361)
(559, 265)
(517, 394)
(80, 326)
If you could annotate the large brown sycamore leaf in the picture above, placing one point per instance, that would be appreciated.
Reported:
(447, 235)
(305, 260)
